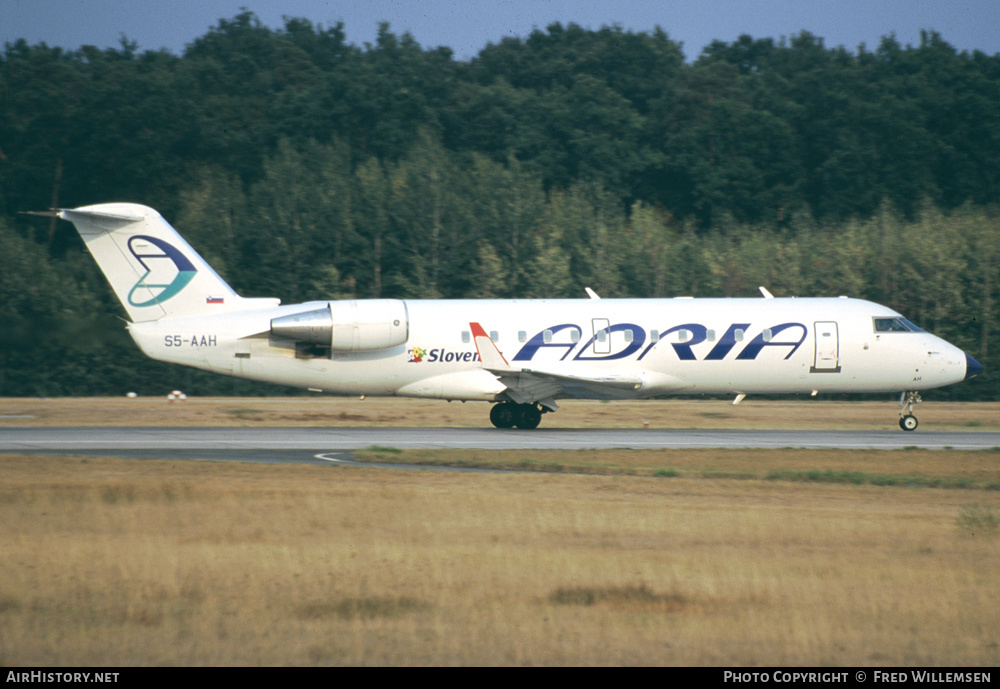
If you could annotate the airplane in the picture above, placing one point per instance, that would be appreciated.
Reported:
(521, 355)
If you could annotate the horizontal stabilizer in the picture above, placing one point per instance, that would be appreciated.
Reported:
(73, 214)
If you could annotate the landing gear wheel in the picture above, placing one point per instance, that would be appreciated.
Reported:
(907, 401)
(529, 416)
(504, 415)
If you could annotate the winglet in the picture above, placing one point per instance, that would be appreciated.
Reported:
(488, 353)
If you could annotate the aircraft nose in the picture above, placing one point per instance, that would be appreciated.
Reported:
(972, 367)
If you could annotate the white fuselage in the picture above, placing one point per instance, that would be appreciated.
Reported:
(522, 354)
(693, 346)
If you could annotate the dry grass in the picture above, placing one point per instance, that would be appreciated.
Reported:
(148, 562)
(782, 558)
(334, 411)
(907, 468)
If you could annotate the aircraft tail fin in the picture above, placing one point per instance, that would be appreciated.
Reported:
(153, 271)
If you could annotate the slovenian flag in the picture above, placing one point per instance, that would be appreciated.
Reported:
(215, 300)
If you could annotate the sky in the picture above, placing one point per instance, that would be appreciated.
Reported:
(467, 26)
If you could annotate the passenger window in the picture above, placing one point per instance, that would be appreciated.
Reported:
(547, 336)
(766, 335)
(710, 335)
(738, 335)
(574, 336)
(494, 335)
(654, 335)
(522, 336)
(465, 336)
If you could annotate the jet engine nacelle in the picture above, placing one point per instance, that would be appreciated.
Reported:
(348, 326)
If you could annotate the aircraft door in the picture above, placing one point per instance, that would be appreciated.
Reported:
(827, 347)
(602, 335)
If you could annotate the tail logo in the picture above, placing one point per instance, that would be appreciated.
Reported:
(168, 271)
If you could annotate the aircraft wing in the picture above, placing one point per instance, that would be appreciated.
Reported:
(525, 385)
(531, 385)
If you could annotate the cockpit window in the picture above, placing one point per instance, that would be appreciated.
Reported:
(895, 325)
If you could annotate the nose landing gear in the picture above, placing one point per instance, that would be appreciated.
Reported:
(907, 421)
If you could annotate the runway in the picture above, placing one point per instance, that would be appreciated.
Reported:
(297, 445)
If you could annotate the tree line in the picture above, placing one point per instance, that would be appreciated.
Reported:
(306, 168)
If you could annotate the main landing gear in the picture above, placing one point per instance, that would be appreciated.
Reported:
(510, 414)
(907, 421)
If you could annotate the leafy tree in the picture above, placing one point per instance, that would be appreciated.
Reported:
(307, 168)
(649, 242)
(372, 222)
(307, 194)
(503, 204)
